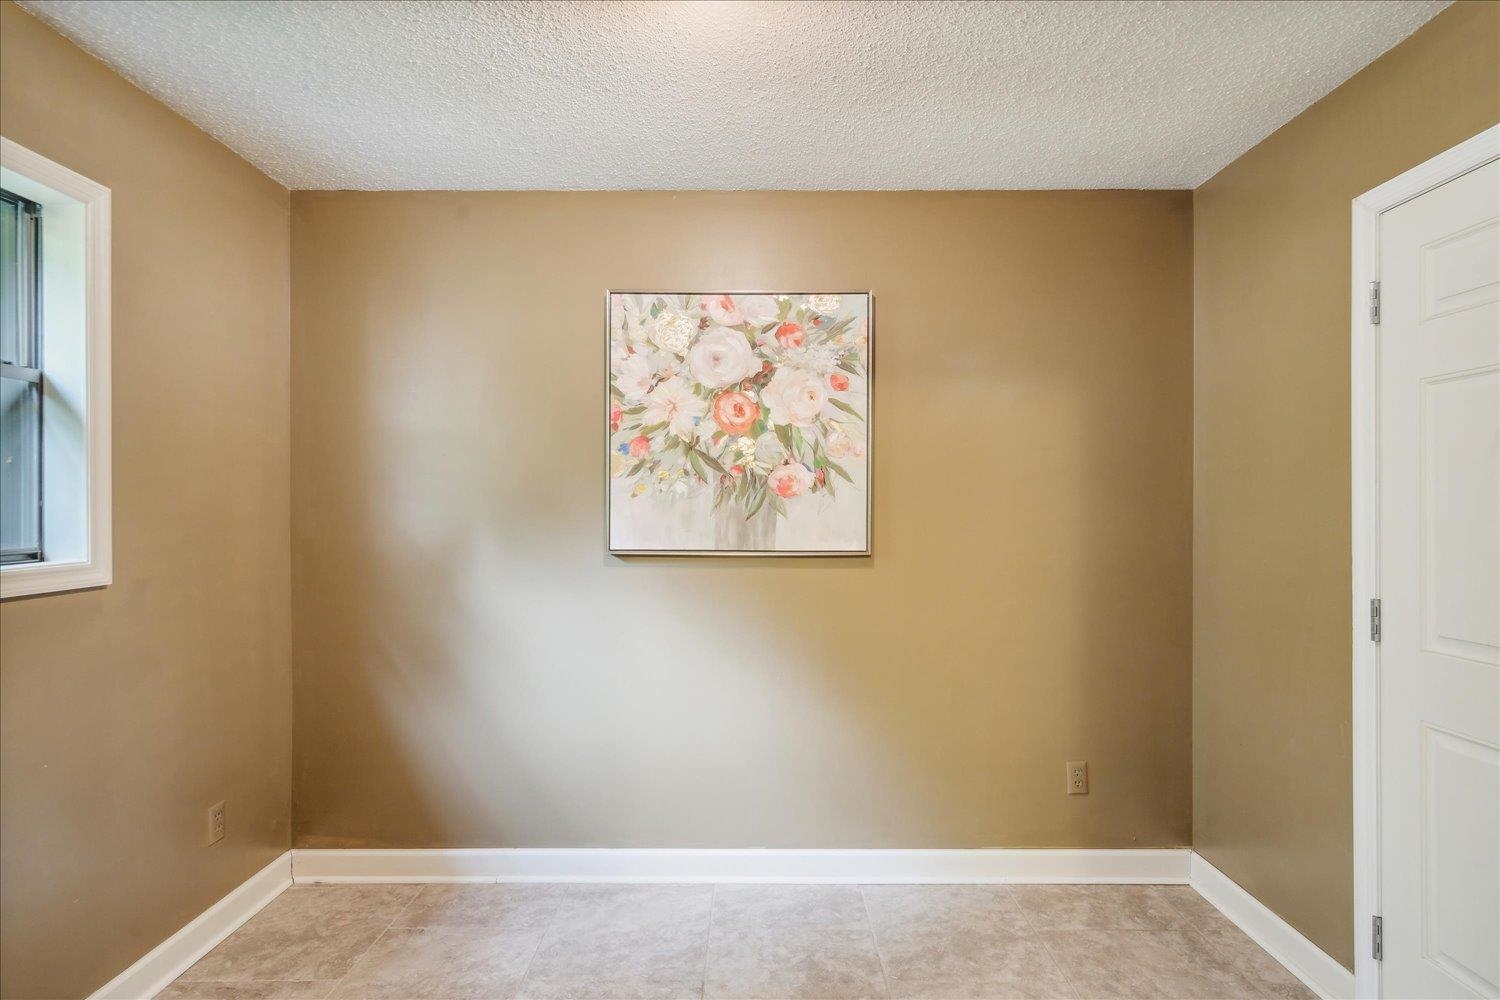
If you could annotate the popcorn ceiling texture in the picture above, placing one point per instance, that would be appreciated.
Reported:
(733, 94)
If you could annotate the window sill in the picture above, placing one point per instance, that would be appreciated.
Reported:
(29, 579)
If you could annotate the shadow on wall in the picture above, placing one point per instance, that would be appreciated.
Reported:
(474, 670)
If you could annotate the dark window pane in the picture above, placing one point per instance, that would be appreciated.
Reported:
(20, 470)
(10, 282)
(20, 382)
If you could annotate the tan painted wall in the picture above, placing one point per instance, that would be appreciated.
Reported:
(472, 669)
(125, 712)
(1271, 597)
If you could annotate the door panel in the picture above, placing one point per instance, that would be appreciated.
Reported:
(1461, 568)
(1461, 866)
(1439, 343)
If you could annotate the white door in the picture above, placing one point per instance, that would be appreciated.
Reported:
(1440, 590)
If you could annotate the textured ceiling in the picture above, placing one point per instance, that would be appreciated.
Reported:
(732, 94)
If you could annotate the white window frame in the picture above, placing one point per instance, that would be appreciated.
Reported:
(96, 567)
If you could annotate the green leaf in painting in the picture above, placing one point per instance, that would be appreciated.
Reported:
(710, 462)
(779, 506)
(697, 465)
(784, 435)
(841, 405)
(756, 503)
(840, 470)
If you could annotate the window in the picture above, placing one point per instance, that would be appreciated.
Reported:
(20, 380)
(54, 377)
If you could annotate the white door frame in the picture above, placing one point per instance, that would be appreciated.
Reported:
(1364, 354)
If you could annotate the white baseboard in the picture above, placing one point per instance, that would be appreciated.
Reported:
(172, 957)
(1160, 866)
(1321, 973)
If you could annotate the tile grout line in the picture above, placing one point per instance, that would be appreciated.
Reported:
(1219, 950)
(541, 939)
(388, 924)
(1042, 939)
(885, 978)
(708, 937)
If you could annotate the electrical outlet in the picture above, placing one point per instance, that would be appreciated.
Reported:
(1078, 777)
(216, 822)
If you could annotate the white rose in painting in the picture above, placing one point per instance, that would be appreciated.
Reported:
(839, 445)
(666, 364)
(823, 303)
(768, 450)
(722, 357)
(758, 310)
(673, 403)
(794, 397)
(633, 376)
(672, 331)
(819, 359)
(790, 480)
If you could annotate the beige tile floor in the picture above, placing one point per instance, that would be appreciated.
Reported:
(768, 941)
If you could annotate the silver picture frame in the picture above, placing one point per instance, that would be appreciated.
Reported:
(869, 421)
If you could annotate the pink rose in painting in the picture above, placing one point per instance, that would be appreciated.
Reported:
(640, 446)
(839, 382)
(790, 335)
(724, 310)
(736, 470)
(735, 412)
(615, 416)
(790, 480)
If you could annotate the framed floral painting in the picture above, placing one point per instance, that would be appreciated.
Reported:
(739, 423)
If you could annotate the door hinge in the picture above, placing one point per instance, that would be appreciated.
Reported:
(1374, 303)
(1374, 619)
(1377, 942)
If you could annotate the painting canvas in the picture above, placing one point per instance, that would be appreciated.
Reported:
(739, 424)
